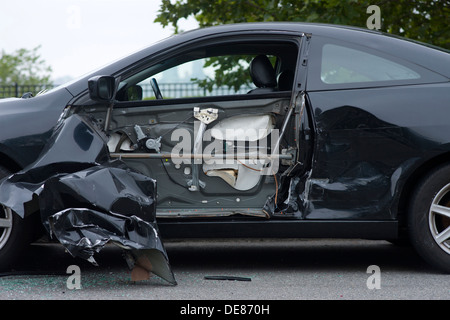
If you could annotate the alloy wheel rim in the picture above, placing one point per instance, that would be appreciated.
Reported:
(6, 221)
(439, 218)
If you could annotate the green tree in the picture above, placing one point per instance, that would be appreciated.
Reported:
(422, 20)
(24, 67)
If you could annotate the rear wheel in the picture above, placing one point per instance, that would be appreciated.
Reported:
(429, 218)
(15, 233)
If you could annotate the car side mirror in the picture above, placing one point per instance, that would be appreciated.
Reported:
(102, 88)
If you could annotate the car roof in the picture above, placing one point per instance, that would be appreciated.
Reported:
(413, 51)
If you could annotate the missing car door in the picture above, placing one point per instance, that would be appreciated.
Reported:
(216, 151)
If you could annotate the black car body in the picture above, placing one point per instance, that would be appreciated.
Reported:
(359, 122)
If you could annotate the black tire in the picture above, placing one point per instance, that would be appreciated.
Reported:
(429, 218)
(15, 233)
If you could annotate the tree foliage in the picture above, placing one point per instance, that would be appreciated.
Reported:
(422, 20)
(25, 67)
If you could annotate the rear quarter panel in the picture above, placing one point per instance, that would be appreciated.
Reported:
(368, 142)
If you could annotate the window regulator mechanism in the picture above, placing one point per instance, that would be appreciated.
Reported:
(149, 143)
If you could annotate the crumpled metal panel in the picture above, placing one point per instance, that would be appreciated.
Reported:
(85, 200)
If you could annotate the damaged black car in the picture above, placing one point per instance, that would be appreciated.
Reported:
(343, 133)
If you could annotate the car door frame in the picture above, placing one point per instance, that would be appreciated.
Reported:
(300, 80)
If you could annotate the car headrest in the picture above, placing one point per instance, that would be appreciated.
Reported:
(262, 72)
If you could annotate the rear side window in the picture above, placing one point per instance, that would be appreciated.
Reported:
(346, 65)
(335, 64)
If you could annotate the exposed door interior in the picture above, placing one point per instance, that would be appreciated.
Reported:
(204, 123)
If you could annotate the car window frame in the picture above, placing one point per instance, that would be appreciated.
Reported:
(315, 82)
(294, 38)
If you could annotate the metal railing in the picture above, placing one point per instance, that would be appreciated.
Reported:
(16, 90)
(188, 89)
(169, 90)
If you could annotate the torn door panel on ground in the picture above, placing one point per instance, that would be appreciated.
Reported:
(85, 200)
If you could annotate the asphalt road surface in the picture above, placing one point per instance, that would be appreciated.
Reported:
(323, 269)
